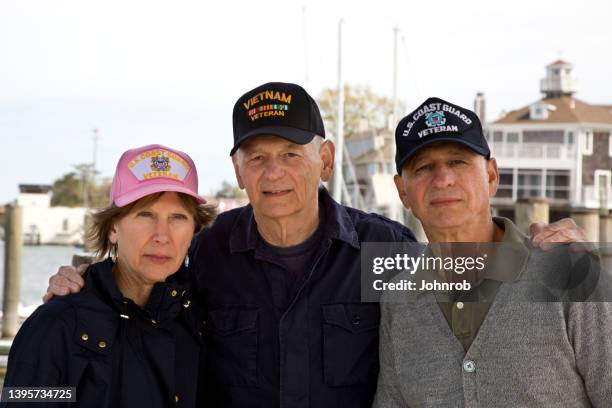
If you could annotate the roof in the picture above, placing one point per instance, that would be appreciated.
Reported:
(581, 112)
(559, 62)
(34, 188)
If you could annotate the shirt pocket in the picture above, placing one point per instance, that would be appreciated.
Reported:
(231, 339)
(350, 343)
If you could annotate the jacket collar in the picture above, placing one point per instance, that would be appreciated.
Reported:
(338, 225)
(163, 301)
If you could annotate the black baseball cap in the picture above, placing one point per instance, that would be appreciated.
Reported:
(436, 120)
(276, 108)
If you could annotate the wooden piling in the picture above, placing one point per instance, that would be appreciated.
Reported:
(13, 239)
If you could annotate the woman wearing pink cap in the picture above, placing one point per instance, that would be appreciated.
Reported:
(132, 336)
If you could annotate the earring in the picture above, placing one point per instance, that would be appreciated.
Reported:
(186, 260)
(113, 252)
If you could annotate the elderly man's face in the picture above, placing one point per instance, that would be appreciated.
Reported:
(281, 178)
(448, 185)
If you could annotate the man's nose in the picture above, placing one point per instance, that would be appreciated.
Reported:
(443, 177)
(274, 170)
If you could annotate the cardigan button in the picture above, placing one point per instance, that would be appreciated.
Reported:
(469, 366)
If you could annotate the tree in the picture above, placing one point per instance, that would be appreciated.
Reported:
(67, 191)
(361, 105)
(229, 190)
(78, 188)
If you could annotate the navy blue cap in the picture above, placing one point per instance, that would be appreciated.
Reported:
(276, 108)
(436, 120)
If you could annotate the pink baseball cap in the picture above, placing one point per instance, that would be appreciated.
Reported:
(153, 169)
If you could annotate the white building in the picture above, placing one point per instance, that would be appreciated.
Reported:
(558, 148)
(43, 224)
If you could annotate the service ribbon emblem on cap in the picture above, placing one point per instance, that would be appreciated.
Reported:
(269, 109)
(158, 163)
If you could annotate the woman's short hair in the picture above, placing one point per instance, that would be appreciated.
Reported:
(102, 221)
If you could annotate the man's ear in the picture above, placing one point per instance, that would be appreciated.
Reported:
(493, 176)
(237, 170)
(326, 152)
(401, 191)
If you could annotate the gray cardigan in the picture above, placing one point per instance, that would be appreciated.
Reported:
(526, 353)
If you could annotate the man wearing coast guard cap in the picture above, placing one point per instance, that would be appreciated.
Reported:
(436, 349)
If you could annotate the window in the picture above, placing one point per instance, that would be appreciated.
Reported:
(512, 137)
(65, 225)
(603, 187)
(558, 184)
(529, 183)
(570, 138)
(543, 136)
(610, 145)
(506, 180)
(498, 137)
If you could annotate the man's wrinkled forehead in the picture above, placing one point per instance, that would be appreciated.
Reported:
(262, 141)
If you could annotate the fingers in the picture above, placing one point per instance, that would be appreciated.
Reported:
(564, 231)
(536, 228)
(71, 275)
(67, 280)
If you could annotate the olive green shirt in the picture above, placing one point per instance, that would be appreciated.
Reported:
(465, 311)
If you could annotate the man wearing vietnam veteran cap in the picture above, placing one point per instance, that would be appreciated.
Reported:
(285, 324)
(436, 348)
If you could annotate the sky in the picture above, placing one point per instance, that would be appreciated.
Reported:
(170, 72)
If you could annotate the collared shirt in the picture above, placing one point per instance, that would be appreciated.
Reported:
(320, 349)
(465, 311)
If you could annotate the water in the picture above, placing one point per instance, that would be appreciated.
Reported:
(38, 263)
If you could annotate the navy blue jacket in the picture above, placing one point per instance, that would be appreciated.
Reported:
(116, 353)
(322, 350)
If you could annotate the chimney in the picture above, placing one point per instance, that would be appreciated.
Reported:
(480, 106)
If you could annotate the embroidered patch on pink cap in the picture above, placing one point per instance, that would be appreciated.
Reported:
(153, 169)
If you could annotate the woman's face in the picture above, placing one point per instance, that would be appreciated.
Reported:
(152, 240)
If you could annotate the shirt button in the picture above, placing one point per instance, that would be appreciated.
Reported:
(176, 398)
(102, 344)
(356, 320)
(469, 366)
(459, 305)
(84, 336)
(174, 293)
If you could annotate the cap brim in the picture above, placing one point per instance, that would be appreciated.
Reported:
(478, 149)
(143, 191)
(292, 134)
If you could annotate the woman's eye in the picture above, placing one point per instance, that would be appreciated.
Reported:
(180, 217)
(146, 214)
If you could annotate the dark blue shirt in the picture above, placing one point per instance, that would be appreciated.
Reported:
(321, 349)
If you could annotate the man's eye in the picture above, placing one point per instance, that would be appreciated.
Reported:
(291, 155)
(425, 167)
(255, 159)
(457, 162)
